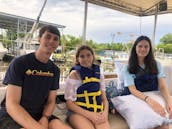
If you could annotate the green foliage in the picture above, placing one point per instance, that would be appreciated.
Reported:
(6, 42)
(127, 47)
(1, 38)
(11, 35)
(166, 39)
(167, 47)
(70, 42)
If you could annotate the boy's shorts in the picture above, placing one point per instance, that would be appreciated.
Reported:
(6, 122)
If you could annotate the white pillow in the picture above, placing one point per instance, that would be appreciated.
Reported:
(138, 114)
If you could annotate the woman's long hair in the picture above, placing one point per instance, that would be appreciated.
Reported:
(149, 61)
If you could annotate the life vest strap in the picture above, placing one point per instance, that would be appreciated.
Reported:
(87, 103)
(91, 79)
(98, 93)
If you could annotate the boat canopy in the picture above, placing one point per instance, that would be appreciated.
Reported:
(136, 7)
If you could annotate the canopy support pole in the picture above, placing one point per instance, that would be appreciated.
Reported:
(154, 29)
(85, 23)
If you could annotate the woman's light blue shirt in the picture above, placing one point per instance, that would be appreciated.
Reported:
(129, 78)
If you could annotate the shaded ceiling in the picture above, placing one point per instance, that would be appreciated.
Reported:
(8, 21)
(137, 7)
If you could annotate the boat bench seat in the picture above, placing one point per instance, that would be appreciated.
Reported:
(116, 121)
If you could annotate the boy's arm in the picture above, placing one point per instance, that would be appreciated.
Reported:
(49, 107)
(16, 111)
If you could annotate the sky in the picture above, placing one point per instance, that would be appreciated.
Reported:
(103, 25)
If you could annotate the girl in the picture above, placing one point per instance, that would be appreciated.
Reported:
(85, 93)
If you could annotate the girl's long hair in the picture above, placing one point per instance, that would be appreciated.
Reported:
(149, 61)
(83, 47)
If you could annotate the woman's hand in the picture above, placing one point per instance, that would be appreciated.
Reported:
(169, 107)
(156, 107)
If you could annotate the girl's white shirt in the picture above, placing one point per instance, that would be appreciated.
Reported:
(71, 86)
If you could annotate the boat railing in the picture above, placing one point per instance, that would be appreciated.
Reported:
(162, 55)
(159, 54)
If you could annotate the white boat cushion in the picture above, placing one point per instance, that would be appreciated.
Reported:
(2, 93)
(138, 114)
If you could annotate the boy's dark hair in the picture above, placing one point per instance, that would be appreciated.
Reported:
(49, 28)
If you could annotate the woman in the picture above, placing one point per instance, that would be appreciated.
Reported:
(144, 73)
(85, 93)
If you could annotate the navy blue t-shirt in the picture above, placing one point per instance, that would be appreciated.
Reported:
(36, 80)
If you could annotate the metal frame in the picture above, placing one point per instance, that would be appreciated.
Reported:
(133, 7)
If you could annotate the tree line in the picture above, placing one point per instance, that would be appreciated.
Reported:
(70, 42)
